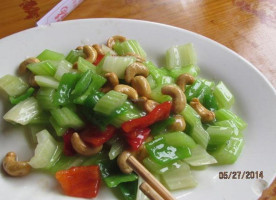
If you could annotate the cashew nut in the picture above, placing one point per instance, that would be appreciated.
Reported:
(98, 49)
(82, 148)
(141, 85)
(142, 152)
(31, 80)
(90, 52)
(14, 167)
(23, 66)
(111, 41)
(205, 114)
(122, 162)
(138, 58)
(112, 78)
(179, 124)
(178, 97)
(150, 105)
(135, 69)
(79, 48)
(183, 80)
(129, 91)
(112, 81)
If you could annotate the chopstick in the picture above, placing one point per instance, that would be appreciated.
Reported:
(151, 186)
(149, 192)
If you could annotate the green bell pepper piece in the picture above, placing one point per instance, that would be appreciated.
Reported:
(112, 175)
(162, 153)
(66, 85)
(22, 97)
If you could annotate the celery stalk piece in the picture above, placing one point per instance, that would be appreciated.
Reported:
(58, 129)
(74, 55)
(13, 85)
(129, 46)
(116, 64)
(230, 124)
(223, 95)
(219, 134)
(42, 118)
(63, 67)
(50, 55)
(223, 114)
(109, 102)
(132, 112)
(229, 152)
(152, 166)
(116, 148)
(107, 50)
(200, 136)
(193, 70)
(47, 151)
(178, 176)
(181, 56)
(65, 162)
(45, 68)
(178, 139)
(200, 157)
(191, 116)
(151, 82)
(46, 81)
(45, 98)
(33, 129)
(23, 112)
(84, 65)
(159, 75)
(67, 118)
(157, 95)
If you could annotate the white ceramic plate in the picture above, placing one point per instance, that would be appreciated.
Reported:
(255, 103)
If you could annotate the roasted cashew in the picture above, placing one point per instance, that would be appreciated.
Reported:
(139, 59)
(82, 148)
(14, 167)
(142, 152)
(112, 81)
(79, 48)
(178, 97)
(150, 105)
(111, 41)
(23, 66)
(183, 80)
(141, 85)
(31, 80)
(98, 49)
(205, 114)
(122, 162)
(135, 69)
(129, 91)
(179, 124)
(112, 78)
(90, 52)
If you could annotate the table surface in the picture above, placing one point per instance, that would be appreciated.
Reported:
(245, 26)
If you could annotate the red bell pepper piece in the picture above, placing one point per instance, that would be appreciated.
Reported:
(83, 181)
(160, 112)
(98, 59)
(137, 137)
(94, 136)
(68, 149)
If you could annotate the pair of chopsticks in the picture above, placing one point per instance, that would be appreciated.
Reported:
(151, 187)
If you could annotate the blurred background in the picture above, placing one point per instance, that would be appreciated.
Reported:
(245, 26)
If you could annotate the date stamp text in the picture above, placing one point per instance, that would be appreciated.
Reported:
(241, 175)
